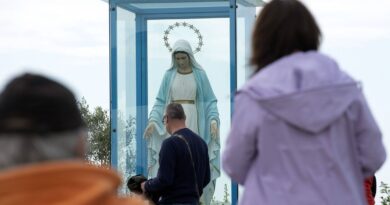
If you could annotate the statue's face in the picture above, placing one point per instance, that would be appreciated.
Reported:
(182, 60)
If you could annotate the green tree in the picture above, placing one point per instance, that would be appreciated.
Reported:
(385, 191)
(98, 124)
(225, 194)
(126, 136)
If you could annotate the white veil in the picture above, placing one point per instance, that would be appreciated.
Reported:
(184, 46)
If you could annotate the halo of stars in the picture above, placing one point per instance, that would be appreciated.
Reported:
(184, 24)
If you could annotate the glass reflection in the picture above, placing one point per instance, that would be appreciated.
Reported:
(183, 80)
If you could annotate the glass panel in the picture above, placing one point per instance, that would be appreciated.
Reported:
(246, 16)
(164, 4)
(251, 3)
(176, 1)
(179, 5)
(126, 92)
(215, 60)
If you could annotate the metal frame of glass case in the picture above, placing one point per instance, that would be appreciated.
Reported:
(145, 10)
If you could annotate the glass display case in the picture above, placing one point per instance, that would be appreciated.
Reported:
(143, 34)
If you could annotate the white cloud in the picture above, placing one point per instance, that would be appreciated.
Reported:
(69, 27)
(352, 19)
(65, 39)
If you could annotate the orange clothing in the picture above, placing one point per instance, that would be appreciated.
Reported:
(62, 183)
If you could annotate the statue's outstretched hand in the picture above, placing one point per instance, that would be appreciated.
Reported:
(149, 131)
(214, 129)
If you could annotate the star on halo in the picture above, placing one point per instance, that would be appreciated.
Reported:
(184, 24)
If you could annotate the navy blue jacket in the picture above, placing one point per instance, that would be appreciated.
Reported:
(175, 181)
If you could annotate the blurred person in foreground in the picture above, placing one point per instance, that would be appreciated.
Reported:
(302, 132)
(42, 148)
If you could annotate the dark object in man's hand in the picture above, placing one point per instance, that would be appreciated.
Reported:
(134, 183)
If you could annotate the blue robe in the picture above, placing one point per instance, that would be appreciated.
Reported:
(206, 104)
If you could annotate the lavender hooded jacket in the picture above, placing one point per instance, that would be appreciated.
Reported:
(302, 134)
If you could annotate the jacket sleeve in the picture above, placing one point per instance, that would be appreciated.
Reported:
(241, 151)
(166, 171)
(371, 150)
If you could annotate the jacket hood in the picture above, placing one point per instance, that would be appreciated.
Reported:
(306, 90)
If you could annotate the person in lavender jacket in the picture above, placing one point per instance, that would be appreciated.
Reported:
(302, 132)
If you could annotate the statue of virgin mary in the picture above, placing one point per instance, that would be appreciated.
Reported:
(186, 82)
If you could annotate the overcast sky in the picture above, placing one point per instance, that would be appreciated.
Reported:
(68, 40)
(65, 39)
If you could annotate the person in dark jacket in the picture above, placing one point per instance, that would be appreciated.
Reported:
(184, 163)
